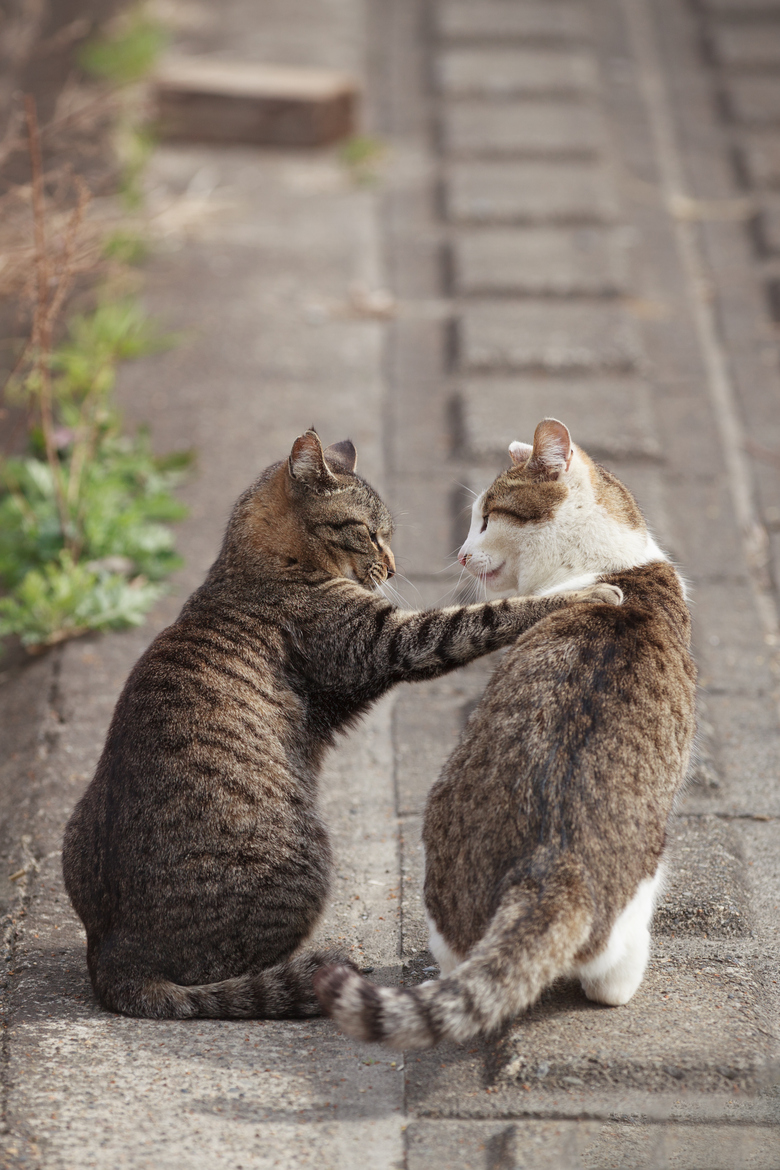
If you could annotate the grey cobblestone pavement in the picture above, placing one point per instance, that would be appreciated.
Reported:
(579, 216)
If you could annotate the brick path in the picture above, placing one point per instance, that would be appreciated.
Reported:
(583, 210)
(580, 218)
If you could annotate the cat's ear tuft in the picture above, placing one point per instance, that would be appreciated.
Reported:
(520, 452)
(552, 449)
(342, 456)
(307, 463)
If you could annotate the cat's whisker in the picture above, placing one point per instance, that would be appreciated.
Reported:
(471, 491)
(458, 588)
(391, 594)
(448, 567)
(398, 598)
(403, 577)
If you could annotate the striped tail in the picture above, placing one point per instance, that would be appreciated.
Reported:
(531, 940)
(284, 991)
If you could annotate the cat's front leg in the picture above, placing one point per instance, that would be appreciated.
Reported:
(363, 646)
(426, 644)
(602, 592)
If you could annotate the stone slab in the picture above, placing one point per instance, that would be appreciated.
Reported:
(738, 9)
(729, 640)
(609, 417)
(427, 722)
(208, 99)
(554, 336)
(742, 745)
(414, 930)
(29, 728)
(510, 72)
(769, 222)
(423, 543)
(535, 129)
(761, 153)
(685, 1147)
(749, 46)
(758, 842)
(497, 1145)
(697, 1024)
(529, 192)
(755, 101)
(696, 505)
(358, 803)
(495, 19)
(426, 731)
(551, 1144)
(540, 261)
(705, 893)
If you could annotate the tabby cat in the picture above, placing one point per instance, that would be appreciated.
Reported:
(197, 859)
(544, 836)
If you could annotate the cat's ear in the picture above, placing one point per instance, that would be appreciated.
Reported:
(520, 452)
(552, 451)
(307, 463)
(342, 456)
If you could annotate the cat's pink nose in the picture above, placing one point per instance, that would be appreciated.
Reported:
(464, 559)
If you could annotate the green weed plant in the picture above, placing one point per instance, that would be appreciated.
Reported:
(121, 56)
(84, 514)
(128, 52)
(363, 156)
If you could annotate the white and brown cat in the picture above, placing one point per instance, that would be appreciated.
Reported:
(545, 833)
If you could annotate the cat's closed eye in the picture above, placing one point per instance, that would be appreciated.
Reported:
(484, 523)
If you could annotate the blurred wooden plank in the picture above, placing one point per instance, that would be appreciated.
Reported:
(217, 100)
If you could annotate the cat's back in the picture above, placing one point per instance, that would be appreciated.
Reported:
(580, 743)
(215, 659)
(580, 661)
(204, 725)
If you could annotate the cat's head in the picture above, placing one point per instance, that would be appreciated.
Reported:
(553, 517)
(312, 516)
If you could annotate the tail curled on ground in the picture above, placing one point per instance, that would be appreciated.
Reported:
(284, 991)
(532, 938)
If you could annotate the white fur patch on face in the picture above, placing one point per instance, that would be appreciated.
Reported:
(582, 540)
(482, 556)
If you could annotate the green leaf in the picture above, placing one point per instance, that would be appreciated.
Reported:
(65, 599)
(126, 55)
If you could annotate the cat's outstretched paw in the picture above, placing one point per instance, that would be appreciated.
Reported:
(600, 592)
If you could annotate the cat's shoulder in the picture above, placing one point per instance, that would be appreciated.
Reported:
(654, 590)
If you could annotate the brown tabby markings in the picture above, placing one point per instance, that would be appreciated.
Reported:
(610, 493)
(197, 858)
